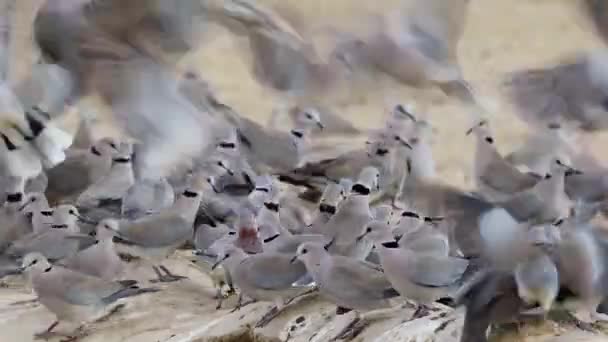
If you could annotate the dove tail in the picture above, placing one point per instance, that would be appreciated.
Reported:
(128, 292)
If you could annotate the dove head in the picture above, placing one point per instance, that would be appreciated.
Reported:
(66, 216)
(218, 165)
(561, 165)
(35, 262)
(377, 149)
(107, 228)
(311, 254)
(231, 256)
(34, 201)
(368, 181)
(12, 141)
(378, 232)
(350, 52)
(481, 129)
(107, 146)
(309, 118)
(404, 112)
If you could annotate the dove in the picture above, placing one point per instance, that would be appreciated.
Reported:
(91, 164)
(138, 85)
(114, 185)
(52, 243)
(100, 259)
(72, 296)
(416, 46)
(495, 177)
(264, 277)
(352, 217)
(332, 196)
(571, 92)
(155, 237)
(346, 282)
(420, 275)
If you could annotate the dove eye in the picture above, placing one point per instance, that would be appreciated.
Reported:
(369, 229)
(309, 116)
(34, 262)
(71, 212)
(304, 251)
(232, 233)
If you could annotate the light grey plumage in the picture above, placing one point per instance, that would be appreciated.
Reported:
(572, 91)
(140, 39)
(113, 185)
(72, 296)
(264, 277)
(53, 243)
(346, 282)
(422, 276)
(91, 164)
(416, 45)
(100, 259)
(157, 236)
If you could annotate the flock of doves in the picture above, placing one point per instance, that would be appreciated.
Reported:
(370, 226)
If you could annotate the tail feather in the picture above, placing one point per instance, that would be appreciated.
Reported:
(130, 291)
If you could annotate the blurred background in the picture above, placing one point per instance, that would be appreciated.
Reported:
(500, 36)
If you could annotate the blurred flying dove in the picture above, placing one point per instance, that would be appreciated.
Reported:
(572, 92)
(122, 52)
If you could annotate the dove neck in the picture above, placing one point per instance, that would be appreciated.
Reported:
(187, 207)
(422, 162)
(485, 154)
(552, 187)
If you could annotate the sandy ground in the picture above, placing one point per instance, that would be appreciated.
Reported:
(500, 36)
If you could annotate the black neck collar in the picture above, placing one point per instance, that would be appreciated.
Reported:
(95, 151)
(59, 226)
(272, 206)
(272, 238)
(48, 269)
(14, 198)
(327, 208)
(122, 160)
(390, 244)
(46, 213)
(189, 194)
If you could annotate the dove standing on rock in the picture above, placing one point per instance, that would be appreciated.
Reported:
(75, 297)
(348, 283)
(155, 237)
(266, 277)
(100, 259)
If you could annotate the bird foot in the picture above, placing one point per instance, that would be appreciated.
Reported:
(306, 293)
(269, 316)
(168, 277)
(421, 311)
(114, 310)
(239, 306)
(24, 302)
(352, 330)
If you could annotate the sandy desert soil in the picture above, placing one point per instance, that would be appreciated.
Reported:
(500, 36)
